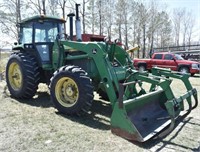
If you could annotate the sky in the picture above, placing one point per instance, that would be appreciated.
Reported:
(189, 5)
(192, 6)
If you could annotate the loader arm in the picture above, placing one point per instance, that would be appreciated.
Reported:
(106, 63)
(138, 113)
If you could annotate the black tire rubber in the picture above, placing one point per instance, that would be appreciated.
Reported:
(84, 86)
(30, 75)
(141, 67)
(186, 69)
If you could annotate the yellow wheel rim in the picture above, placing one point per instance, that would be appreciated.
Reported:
(67, 92)
(15, 76)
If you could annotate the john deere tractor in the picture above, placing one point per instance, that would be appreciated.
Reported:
(74, 70)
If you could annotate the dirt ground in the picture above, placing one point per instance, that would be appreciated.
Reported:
(35, 125)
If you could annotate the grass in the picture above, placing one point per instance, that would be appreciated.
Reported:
(35, 125)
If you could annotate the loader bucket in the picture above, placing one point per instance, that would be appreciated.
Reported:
(145, 116)
(141, 118)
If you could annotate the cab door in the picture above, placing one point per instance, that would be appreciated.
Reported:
(157, 61)
(44, 38)
(169, 61)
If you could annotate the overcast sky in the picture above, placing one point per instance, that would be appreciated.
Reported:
(189, 5)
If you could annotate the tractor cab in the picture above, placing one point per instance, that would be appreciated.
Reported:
(37, 36)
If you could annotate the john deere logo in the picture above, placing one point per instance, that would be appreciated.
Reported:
(120, 72)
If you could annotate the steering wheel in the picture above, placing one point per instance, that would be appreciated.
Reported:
(62, 36)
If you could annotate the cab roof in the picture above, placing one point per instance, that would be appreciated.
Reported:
(163, 53)
(42, 18)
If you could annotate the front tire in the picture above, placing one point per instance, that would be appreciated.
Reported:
(141, 68)
(71, 90)
(184, 70)
(22, 75)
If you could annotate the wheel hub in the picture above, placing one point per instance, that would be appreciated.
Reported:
(15, 76)
(67, 92)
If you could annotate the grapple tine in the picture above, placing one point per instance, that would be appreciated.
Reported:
(195, 99)
(152, 114)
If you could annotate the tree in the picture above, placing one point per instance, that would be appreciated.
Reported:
(91, 19)
(188, 24)
(145, 24)
(10, 16)
(140, 25)
(62, 5)
(191, 24)
(96, 16)
(52, 5)
(108, 16)
(84, 15)
(37, 6)
(119, 18)
(100, 10)
(177, 21)
(123, 19)
(164, 31)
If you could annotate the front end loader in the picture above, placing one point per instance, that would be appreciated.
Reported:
(73, 70)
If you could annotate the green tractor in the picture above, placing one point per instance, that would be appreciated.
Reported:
(74, 70)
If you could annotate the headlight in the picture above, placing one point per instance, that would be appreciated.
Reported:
(195, 66)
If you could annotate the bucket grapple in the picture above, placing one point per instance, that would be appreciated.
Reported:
(145, 116)
(74, 70)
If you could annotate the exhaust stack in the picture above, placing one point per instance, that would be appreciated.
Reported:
(71, 15)
(78, 24)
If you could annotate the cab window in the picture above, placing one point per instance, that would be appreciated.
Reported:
(46, 32)
(158, 56)
(168, 57)
(26, 33)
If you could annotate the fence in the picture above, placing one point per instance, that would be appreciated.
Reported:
(189, 52)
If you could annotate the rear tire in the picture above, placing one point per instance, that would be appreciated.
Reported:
(22, 75)
(71, 90)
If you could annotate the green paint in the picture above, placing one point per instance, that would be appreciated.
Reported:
(108, 64)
